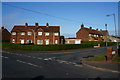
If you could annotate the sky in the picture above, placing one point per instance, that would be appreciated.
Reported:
(68, 15)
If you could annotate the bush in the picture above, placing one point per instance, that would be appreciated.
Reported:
(44, 47)
(32, 47)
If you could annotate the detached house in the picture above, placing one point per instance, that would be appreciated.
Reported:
(89, 34)
(41, 35)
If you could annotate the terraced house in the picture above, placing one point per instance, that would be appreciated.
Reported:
(89, 34)
(40, 35)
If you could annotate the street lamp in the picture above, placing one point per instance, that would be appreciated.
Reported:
(115, 26)
(106, 34)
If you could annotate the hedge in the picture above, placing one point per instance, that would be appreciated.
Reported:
(52, 47)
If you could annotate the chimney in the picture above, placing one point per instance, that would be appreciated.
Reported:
(2, 27)
(90, 27)
(26, 24)
(82, 26)
(47, 25)
(36, 24)
(100, 29)
(97, 29)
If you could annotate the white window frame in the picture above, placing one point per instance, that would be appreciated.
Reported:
(13, 40)
(29, 33)
(68, 41)
(40, 42)
(39, 33)
(56, 41)
(56, 34)
(90, 35)
(13, 33)
(21, 41)
(47, 34)
(46, 41)
(96, 35)
(28, 41)
(22, 33)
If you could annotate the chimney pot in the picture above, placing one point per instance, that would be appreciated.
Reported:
(3, 27)
(36, 24)
(90, 27)
(26, 24)
(47, 25)
(82, 26)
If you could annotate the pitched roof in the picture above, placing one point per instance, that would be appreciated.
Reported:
(104, 32)
(35, 28)
(92, 31)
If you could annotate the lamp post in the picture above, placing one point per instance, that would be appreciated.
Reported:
(115, 26)
(106, 34)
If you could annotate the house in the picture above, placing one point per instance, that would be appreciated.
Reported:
(89, 34)
(72, 41)
(5, 35)
(114, 38)
(40, 35)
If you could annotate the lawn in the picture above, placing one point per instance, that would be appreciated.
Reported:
(101, 57)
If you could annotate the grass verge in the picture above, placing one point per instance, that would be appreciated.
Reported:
(101, 57)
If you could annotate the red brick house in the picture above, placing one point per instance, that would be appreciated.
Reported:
(41, 35)
(5, 35)
(89, 34)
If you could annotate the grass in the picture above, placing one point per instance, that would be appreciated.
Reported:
(101, 57)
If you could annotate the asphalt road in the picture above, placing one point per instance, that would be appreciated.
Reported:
(53, 64)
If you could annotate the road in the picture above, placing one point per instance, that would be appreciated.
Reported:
(53, 64)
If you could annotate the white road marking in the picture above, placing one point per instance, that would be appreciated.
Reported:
(28, 63)
(4, 57)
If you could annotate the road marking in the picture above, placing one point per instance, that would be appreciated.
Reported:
(4, 57)
(28, 63)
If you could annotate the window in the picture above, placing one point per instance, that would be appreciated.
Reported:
(22, 33)
(22, 41)
(56, 34)
(46, 41)
(29, 33)
(97, 35)
(13, 40)
(13, 33)
(39, 41)
(46, 34)
(89, 34)
(68, 42)
(29, 41)
(56, 41)
(39, 33)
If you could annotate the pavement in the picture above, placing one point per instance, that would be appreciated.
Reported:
(103, 66)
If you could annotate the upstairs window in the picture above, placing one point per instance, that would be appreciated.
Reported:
(22, 33)
(47, 34)
(97, 35)
(39, 33)
(29, 33)
(56, 34)
(13, 33)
